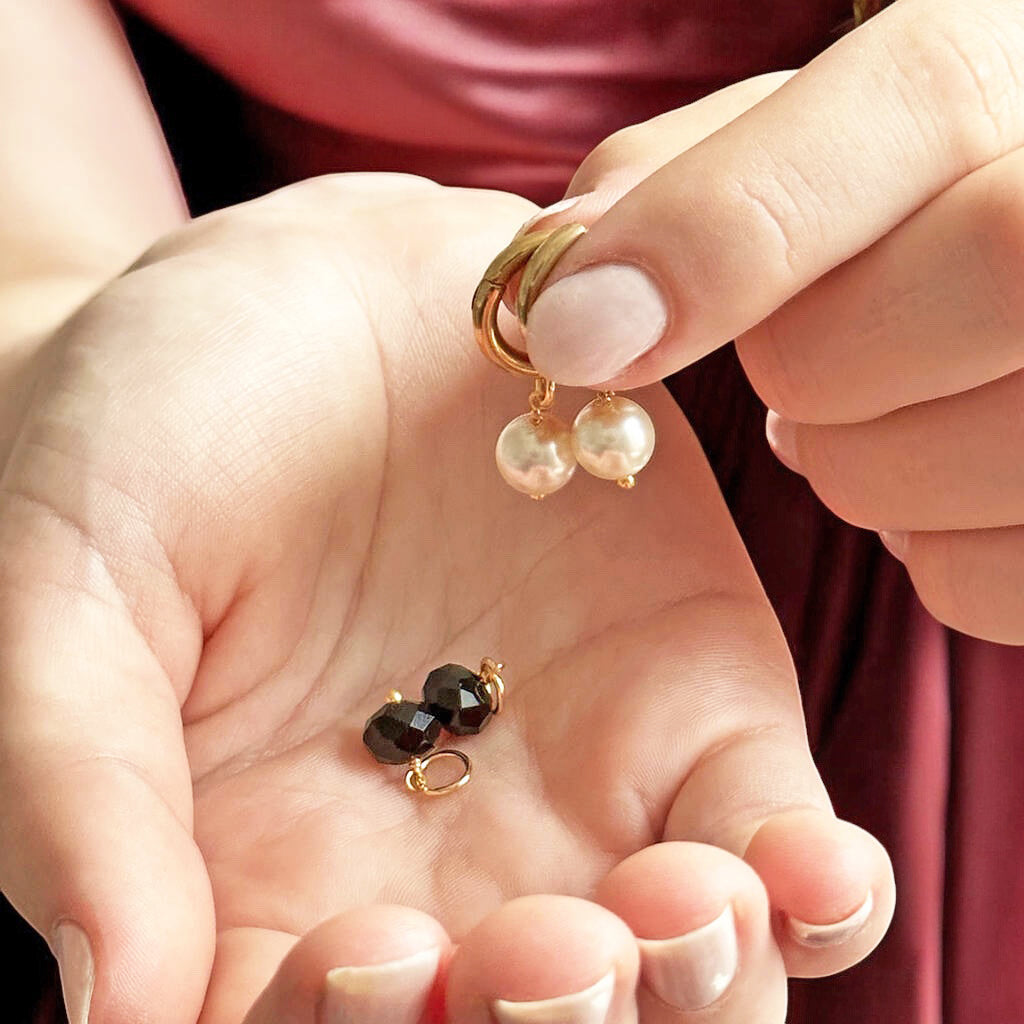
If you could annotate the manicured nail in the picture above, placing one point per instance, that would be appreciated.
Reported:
(394, 992)
(693, 970)
(560, 207)
(77, 970)
(588, 327)
(587, 1007)
(818, 936)
(781, 436)
(896, 541)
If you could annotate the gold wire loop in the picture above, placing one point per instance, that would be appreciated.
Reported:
(537, 251)
(416, 776)
(542, 397)
(490, 673)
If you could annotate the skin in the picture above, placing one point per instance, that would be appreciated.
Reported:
(882, 327)
(253, 493)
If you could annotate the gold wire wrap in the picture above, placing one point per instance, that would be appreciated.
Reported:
(537, 251)
(490, 673)
(541, 398)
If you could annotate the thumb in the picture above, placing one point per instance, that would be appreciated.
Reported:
(623, 160)
(615, 174)
(95, 792)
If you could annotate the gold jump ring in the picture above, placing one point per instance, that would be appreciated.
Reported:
(416, 776)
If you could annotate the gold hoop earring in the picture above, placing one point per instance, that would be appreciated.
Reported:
(534, 451)
(612, 437)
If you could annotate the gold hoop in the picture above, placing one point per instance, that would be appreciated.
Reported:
(538, 252)
(416, 776)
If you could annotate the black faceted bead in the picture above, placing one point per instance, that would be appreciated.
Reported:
(458, 699)
(401, 730)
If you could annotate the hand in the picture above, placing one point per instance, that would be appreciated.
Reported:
(859, 230)
(255, 492)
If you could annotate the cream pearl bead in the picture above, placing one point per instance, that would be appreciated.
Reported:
(613, 438)
(534, 454)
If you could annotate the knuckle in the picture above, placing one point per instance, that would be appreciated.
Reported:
(784, 211)
(959, 79)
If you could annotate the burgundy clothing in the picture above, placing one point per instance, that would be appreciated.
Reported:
(918, 731)
(505, 94)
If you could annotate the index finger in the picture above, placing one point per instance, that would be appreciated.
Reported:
(715, 240)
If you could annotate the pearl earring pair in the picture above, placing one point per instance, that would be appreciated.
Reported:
(612, 437)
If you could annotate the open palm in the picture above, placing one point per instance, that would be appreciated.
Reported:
(260, 493)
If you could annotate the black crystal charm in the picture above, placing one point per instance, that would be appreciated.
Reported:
(400, 731)
(458, 699)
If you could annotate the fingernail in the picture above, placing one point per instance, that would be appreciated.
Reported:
(394, 992)
(77, 970)
(587, 1007)
(560, 207)
(781, 436)
(693, 970)
(588, 327)
(896, 541)
(818, 936)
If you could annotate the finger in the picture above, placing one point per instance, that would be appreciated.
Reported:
(968, 579)
(950, 464)
(95, 792)
(540, 959)
(717, 239)
(832, 887)
(625, 158)
(830, 884)
(701, 919)
(370, 965)
(933, 308)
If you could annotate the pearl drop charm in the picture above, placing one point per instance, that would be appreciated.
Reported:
(613, 438)
(534, 454)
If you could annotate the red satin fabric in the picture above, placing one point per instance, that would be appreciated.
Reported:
(918, 731)
(491, 93)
